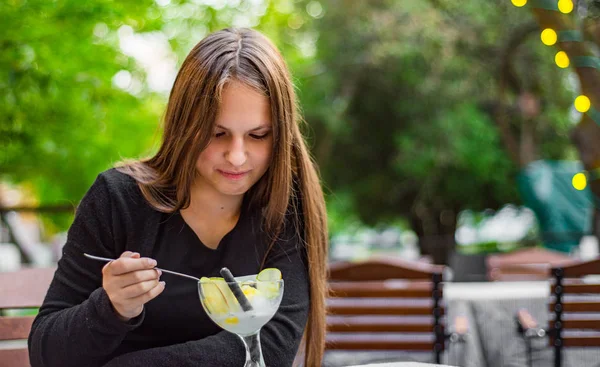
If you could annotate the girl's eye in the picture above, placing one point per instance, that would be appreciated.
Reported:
(218, 135)
(259, 137)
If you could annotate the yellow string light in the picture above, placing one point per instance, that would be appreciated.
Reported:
(579, 181)
(549, 37)
(565, 6)
(562, 60)
(582, 104)
(519, 3)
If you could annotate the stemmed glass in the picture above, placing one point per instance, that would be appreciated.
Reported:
(243, 319)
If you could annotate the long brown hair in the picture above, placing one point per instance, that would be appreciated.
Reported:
(244, 55)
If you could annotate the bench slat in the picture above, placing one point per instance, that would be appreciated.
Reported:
(12, 328)
(14, 357)
(573, 306)
(24, 288)
(382, 290)
(385, 269)
(351, 341)
(578, 324)
(349, 324)
(380, 310)
(580, 341)
(21, 289)
(578, 288)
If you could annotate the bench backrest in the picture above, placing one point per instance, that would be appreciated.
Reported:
(575, 307)
(525, 264)
(385, 305)
(22, 289)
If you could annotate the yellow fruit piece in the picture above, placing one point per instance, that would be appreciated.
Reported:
(270, 289)
(250, 292)
(269, 274)
(233, 320)
(268, 282)
(232, 303)
(214, 300)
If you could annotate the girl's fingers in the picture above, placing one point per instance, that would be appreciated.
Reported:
(153, 293)
(141, 293)
(123, 255)
(135, 277)
(126, 254)
(125, 265)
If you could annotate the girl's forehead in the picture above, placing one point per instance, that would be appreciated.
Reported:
(243, 106)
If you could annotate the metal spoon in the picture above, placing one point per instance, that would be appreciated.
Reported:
(106, 259)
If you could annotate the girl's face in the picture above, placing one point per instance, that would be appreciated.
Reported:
(240, 150)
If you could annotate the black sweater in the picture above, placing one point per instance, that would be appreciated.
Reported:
(76, 325)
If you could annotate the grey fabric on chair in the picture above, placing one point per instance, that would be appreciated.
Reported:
(469, 353)
(501, 344)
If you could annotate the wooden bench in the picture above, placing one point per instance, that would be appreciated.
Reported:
(525, 264)
(574, 310)
(22, 289)
(387, 304)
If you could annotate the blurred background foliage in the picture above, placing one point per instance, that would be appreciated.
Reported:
(400, 97)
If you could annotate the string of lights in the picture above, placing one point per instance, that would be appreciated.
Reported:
(550, 37)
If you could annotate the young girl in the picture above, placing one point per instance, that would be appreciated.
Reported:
(232, 185)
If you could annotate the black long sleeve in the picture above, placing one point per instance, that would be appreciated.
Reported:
(76, 325)
(76, 317)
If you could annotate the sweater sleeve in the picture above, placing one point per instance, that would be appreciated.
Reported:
(280, 337)
(76, 325)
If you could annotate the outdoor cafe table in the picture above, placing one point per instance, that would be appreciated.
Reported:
(402, 364)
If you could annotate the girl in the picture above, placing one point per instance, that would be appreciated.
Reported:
(232, 185)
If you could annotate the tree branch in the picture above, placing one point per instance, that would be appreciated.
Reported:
(508, 80)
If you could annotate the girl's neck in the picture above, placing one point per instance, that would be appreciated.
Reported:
(209, 204)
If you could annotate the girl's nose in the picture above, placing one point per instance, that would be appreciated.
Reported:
(236, 154)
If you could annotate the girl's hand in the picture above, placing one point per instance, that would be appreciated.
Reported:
(130, 282)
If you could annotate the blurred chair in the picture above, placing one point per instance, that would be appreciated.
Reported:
(468, 267)
(21, 292)
(392, 305)
(525, 264)
(574, 310)
(26, 234)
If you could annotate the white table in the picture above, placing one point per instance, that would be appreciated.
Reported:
(496, 290)
(402, 364)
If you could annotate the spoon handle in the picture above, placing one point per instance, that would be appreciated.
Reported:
(106, 259)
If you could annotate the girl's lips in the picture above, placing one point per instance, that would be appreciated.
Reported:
(233, 176)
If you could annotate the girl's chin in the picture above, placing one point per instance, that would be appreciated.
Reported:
(233, 189)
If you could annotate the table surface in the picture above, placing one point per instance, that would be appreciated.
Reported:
(496, 290)
(401, 364)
